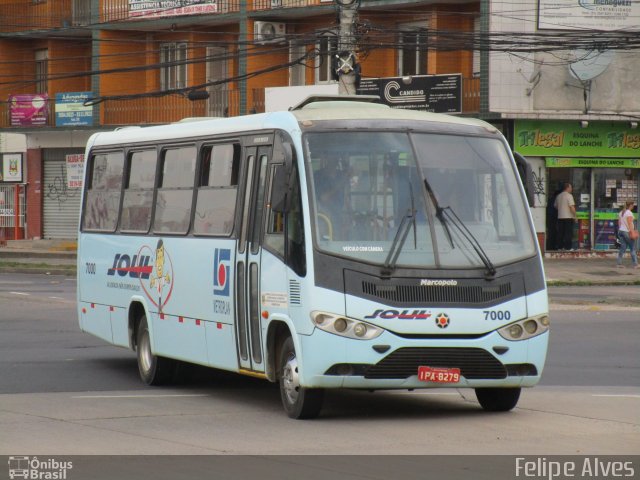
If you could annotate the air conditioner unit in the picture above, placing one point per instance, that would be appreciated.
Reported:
(269, 32)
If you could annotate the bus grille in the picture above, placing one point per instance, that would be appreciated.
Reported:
(417, 294)
(474, 363)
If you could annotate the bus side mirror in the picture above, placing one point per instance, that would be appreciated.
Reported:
(282, 186)
(526, 176)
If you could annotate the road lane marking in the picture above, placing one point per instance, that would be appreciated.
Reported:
(20, 293)
(138, 396)
(619, 396)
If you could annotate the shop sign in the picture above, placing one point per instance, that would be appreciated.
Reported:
(71, 111)
(170, 8)
(554, 162)
(588, 14)
(561, 138)
(75, 170)
(28, 110)
(430, 93)
(11, 167)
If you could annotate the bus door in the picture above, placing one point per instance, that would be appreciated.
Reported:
(248, 255)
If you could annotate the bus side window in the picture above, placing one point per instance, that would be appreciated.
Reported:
(217, 190)
(138, 192)
(104, 184)
(296, 256)
(274, 231)
(175, 190)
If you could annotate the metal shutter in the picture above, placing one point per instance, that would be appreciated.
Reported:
(61, 205)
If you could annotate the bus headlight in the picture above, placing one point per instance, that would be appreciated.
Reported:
(524, 329)
(345, 327)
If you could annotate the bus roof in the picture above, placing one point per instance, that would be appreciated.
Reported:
(287, 120)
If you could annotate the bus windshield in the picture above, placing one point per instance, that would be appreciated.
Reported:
(458, 195)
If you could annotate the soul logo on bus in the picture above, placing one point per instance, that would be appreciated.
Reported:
(400, 314)
(152, 267)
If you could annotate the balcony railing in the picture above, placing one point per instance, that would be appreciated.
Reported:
(171, 108)
(275, 4)
(114, 10)
(155, 110)
(29, 16)
(470, 95)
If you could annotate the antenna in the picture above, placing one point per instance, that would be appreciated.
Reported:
(590, 63)
(587, 66)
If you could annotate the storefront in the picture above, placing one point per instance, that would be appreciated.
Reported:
(601, 160)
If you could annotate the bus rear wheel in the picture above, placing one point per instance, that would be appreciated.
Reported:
(298, 402)
(498, 399)
(153, 370)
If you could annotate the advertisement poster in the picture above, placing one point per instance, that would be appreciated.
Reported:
(169, 8)
(11, 167)
(589, 14)
(75, 170)
(28, 110)
(71, 111)
(430, 93)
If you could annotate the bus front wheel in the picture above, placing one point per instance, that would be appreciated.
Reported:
(298, 402)
(498, 399)
(153, 370)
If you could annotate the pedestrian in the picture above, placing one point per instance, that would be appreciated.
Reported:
(566, 206)
(627, 234)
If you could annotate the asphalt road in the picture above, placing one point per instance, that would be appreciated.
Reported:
(64, 392)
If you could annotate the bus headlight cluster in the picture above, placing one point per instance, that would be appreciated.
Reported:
(345, 327)
(524, 329)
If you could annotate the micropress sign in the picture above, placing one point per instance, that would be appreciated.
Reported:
(431, 93)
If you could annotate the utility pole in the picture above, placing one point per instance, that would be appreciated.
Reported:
(345, 62)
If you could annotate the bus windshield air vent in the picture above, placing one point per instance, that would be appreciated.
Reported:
(454, 294)
(294, 292)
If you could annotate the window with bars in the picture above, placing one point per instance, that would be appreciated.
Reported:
(42, 67)
(412, 58)
(173, 69)
(327, 47)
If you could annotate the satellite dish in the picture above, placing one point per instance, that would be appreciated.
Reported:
(590, 63)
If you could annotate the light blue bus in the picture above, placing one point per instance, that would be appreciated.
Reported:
(341, 244)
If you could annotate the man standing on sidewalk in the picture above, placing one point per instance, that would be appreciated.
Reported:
(566, 207)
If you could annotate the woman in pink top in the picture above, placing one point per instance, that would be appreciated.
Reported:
(625, 227)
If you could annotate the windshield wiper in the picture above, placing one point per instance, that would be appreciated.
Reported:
(446, 215)
(473, 241)
(401, 236)
(439, 212)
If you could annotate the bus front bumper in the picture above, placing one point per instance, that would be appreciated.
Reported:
(392, 362)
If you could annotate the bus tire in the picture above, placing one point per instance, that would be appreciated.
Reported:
(498, 399)
(298, 402)
(153, 370)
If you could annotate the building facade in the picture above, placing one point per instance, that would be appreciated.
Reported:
(74, 67)
(569, 107)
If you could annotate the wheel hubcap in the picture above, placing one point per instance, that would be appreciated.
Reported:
(290, 379)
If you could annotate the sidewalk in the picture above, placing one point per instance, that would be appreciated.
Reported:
(561, 268)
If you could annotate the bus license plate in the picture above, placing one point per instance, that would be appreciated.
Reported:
(439, 375)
